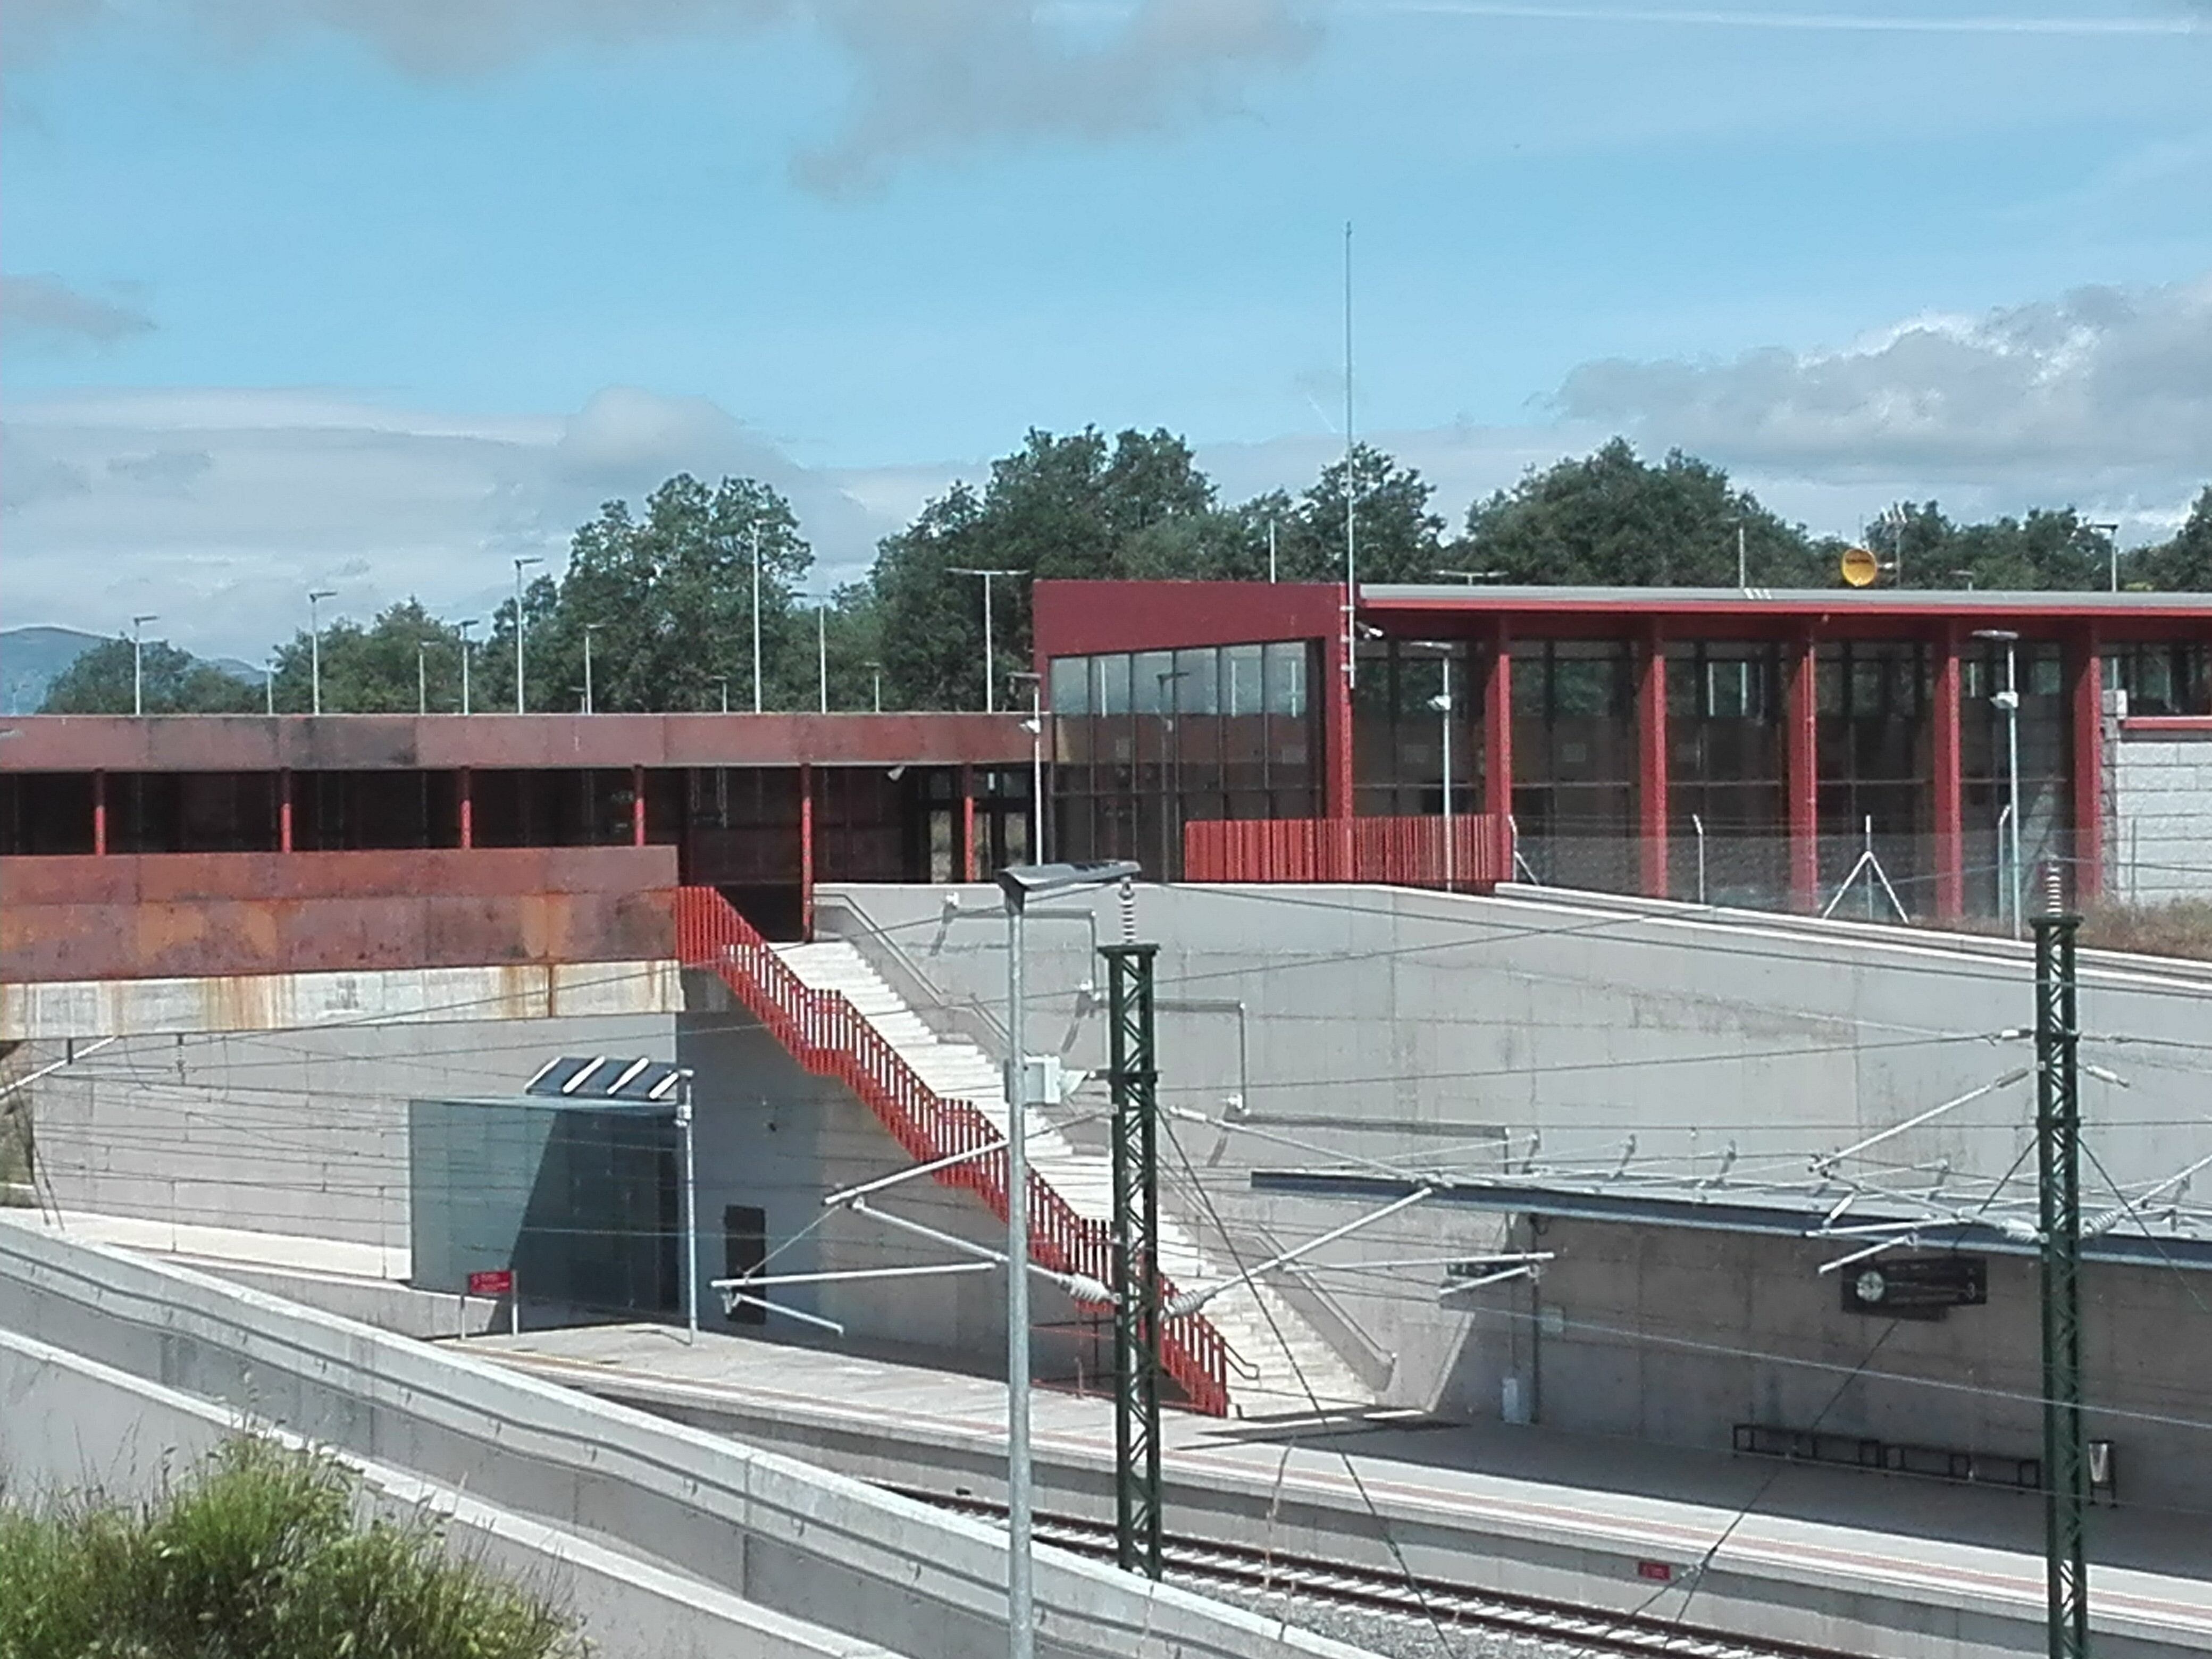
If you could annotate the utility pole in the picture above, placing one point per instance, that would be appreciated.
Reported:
(2058, 1184)
(1134, 1073)
(757, 642)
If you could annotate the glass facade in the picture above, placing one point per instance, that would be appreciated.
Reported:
(1873, 745)
(2046, 764)
(1146, 742)
(2166, 677)
(1398, 730)
(1727, 804)
(1574, 761)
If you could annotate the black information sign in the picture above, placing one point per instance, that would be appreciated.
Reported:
(1915, 1286)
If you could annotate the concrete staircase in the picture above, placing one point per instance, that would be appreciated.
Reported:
(1272, 1347)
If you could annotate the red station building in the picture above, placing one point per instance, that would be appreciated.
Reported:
(1746, 746)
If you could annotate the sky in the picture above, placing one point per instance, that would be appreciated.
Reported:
(380, 294)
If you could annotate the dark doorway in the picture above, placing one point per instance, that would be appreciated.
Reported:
(745, 1247)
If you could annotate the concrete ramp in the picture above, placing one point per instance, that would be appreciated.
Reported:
(773, 1532)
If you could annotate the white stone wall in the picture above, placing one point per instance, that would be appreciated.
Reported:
(2162, 831)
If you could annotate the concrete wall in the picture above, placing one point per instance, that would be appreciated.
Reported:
(1451, 1033)
(73, 1426)
(2161, 792)
(1675, 1335)
(772, 1136)
(297, 1131)
(810, 1544)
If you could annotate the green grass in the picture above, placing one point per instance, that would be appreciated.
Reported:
(257, 1556)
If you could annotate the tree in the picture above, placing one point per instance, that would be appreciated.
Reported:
(1614, 520)
(2183, 565)
(372, 670)
(175, 682)
(1060, 507)
(2044, 550)
(1393, 534)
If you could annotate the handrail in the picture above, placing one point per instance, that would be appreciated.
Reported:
(830, 1038)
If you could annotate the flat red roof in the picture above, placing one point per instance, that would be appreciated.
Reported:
(255, 743)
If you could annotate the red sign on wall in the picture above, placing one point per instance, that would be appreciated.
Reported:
(495, 1281)
(1659, 1573)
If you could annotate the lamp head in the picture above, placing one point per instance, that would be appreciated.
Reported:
(1021, 883)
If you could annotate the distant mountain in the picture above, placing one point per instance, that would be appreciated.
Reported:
(33, 659)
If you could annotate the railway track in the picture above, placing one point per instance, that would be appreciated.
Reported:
(1419, 1600)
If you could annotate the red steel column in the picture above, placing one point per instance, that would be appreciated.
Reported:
(806, 850)
(468, 807)
(284, 810)
(1498, 742)
(1337, 799)
(100, 814)
(637, 806)
(1651, 763)
(1800, 772)
(967, 870)
(2087, 694)
(1950, 813)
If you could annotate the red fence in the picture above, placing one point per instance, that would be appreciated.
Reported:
(1404, 852)
(831, 1038)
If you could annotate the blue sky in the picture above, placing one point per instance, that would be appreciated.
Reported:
(380, 294)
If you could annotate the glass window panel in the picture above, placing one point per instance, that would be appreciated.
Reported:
(1071, 685)
(1113, 676)
(1150, 672)
(1198, 680)
(1285, 671)
(1241, 677)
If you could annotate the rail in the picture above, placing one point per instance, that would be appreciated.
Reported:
(830, 1038)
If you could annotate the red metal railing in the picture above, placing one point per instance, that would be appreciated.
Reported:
(831, 1038)
(1406, 852)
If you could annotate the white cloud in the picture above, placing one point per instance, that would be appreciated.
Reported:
(219, 509)
(929, 76)
(48, 311)
(2105, 389)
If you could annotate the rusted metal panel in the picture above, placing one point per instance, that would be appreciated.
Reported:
(231, 914)
(357, 743)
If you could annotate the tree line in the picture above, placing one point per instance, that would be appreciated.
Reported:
(664, 594)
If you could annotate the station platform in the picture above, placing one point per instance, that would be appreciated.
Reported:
(1858, 1562)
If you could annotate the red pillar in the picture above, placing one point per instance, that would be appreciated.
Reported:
(805, 851)
(1800, 772)
(284, 810)
(2088, 696)
(100, 813)
(468, 807)
(1950, 813)
(1337, 799)
(1651, 763)
(637, 806)
(1498, 742)
(968, 870)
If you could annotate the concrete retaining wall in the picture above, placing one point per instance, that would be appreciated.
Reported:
(1459, 1034)
(73, 1425)
(813, 1546)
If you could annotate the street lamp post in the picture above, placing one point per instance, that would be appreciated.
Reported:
(691, 1206)
(2008, 701)
(1020, 884)
(422, 677)
(990, 673)
(1471, 577)
(138, 661)
(756, 637)
(875, 683)
(268, 687)
(1443, 704)
(2111, 532)
(532, 558)
(466, 648)
(589, 629)
(723, 681)
(822, 650)
(315, 596)
(1034, 727)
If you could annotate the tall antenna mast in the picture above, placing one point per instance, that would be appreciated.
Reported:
(1351, 510)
